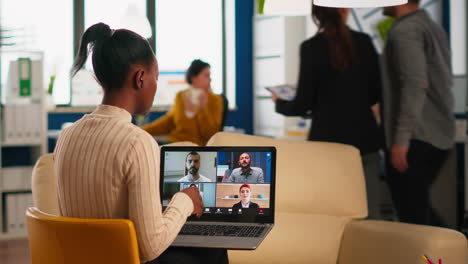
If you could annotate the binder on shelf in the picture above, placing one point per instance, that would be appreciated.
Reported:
(12, 85)
(20, 203)
(20, 122)
(15, 218)
(24, 80)
(28, 116)
(37, 124)
(24, 74)
(9, 122)
(11, 223)
(16, 178)
(26, 181)
(11, 178)
(37, 79)
(23, 203)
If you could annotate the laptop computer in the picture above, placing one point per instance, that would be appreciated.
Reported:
(237, 185)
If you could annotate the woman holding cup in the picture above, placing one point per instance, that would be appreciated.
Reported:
(197, 112)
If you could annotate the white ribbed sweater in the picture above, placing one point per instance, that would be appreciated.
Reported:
(109, 168)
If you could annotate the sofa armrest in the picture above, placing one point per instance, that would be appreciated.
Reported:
(44, 186)
(367, 241)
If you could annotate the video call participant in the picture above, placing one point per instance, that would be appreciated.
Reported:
(244, 193)
(246, 173)
(192, 166)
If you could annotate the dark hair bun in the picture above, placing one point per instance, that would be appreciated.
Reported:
(195, 68)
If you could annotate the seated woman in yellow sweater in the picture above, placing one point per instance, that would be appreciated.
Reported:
(197, 112)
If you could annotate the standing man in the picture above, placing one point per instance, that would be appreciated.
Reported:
(192, 166)
(417, 110)
(246, 173)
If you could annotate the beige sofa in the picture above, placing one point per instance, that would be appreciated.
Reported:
(321, 200)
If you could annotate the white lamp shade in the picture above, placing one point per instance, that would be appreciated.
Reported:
(135, 21)
(303, 7)
(359, 3)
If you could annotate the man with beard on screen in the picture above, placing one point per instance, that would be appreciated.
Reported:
(192, 166)
(245, 173)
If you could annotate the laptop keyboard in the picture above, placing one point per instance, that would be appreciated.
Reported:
(222, 230)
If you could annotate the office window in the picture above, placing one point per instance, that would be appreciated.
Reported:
(37, 26)
(112, 12)
(187, 30)
(182, 34)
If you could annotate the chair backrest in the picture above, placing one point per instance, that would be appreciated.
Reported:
(67, 240)
(311, 177)
(44, 185)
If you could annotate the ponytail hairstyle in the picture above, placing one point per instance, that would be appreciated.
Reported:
(338, 35)
(114, 52)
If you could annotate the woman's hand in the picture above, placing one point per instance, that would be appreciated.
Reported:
(194, 194)
(188, 103)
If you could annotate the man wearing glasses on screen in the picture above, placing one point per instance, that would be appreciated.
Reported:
(245, 173)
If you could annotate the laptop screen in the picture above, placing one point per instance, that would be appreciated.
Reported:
(235, 183)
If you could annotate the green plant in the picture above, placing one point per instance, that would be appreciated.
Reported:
(50, 89)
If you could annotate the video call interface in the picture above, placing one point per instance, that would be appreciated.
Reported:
(230, 183)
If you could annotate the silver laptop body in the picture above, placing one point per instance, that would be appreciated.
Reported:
(237, 185)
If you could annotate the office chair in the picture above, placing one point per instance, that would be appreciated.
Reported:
(67, 240)
(225, 111)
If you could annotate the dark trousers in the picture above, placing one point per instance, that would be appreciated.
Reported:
(411, 189)
(185, 255)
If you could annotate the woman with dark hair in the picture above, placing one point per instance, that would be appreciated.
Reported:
(339, 83)
(109, 168)
(197, 112)
(245, 203)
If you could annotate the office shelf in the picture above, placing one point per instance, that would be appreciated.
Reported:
(23, 135)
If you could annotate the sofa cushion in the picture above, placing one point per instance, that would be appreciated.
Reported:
(297, 238)
(312, 177)
(44, 185)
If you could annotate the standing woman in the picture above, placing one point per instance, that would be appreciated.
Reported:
(109, 168)
(339, 83)
(197, 112)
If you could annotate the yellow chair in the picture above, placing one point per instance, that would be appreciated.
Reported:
(67, 240)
